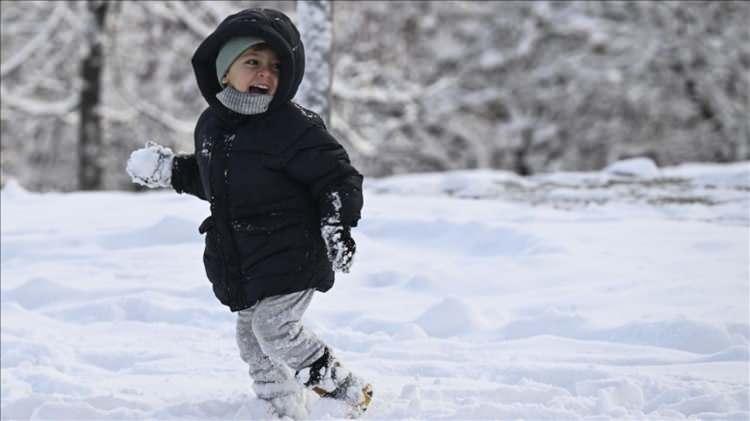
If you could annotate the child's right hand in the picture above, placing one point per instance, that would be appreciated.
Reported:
(151, 166)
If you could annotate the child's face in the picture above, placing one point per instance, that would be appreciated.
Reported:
(254, 71)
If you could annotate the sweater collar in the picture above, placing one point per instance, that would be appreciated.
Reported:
(244, 102)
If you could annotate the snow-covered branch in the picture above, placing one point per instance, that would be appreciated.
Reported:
(188, 18)
(30, 47)
(38, 107)
(361, 145)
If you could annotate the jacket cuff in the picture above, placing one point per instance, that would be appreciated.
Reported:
(341, 207)
(178, 163)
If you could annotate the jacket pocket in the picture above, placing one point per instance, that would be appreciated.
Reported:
(274, 247)
(206, 225)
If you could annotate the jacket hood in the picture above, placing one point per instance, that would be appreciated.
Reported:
(272, 26)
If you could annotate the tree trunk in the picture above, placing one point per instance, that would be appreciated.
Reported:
(90, 125)
(315, 21)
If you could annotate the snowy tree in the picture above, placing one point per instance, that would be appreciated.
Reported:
(539, 86)
(39, 88)
(315, 22)
(525, 86)
(147, 89)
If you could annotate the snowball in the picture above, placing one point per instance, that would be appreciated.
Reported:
(151, 166)
(142, 163)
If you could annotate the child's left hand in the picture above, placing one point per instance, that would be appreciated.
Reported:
(340, 246)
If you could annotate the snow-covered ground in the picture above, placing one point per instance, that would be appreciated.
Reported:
(475, 295)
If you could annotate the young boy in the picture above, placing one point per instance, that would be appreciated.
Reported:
(283, 196)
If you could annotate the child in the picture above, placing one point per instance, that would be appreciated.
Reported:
(283, 196)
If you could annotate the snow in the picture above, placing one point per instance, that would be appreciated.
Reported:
(642, 167)
(474, 295)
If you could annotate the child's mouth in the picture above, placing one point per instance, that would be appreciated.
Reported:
(257, 90)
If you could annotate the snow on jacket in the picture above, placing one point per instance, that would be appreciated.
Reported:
(268, 177)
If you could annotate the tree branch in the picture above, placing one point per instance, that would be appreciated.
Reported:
(39, 108)
(34, 44)
(189, 19)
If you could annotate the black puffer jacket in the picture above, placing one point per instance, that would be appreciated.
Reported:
(269, 177)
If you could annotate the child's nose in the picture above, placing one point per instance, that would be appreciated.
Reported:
(265, 70)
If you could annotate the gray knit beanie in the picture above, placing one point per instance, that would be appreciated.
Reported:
(230, 51)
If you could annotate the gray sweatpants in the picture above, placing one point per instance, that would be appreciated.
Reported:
(273, 342)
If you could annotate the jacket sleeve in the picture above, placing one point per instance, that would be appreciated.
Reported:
(321, 163)
(185, 176)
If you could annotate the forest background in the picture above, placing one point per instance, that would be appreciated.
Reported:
(529, 87)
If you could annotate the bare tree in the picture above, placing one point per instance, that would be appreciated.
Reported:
(90, 137)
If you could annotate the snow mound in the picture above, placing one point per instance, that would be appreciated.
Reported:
(734, 353)
(144, 307)
(469, 184)
(39, 292)
(13, 190)
(732, 176)
(680, 334)
(687, 335)
(169, 230)
(550, 320)
(612, 394)
(634, 167)
(450, 317)
(474, 238)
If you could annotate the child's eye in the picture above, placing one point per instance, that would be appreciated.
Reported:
(252, 62)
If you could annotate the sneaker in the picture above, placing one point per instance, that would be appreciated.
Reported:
(356, 393)
(329, 379)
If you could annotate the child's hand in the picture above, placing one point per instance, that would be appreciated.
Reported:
(151, 166)
(340, 246)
